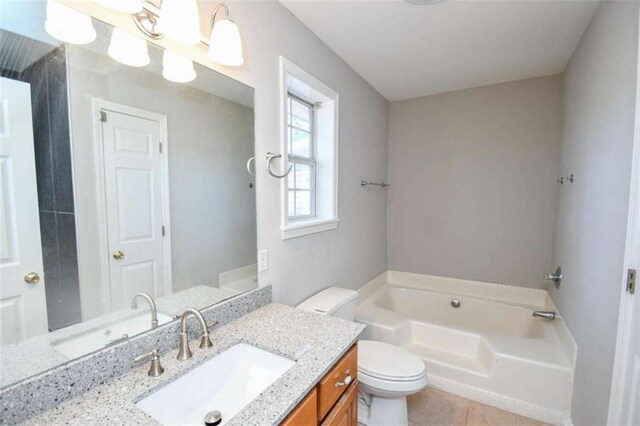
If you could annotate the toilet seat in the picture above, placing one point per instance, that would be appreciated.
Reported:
(389, 370)
(388, 362)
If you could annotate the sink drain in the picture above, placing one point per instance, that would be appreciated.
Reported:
(213, 418)
(456, 303)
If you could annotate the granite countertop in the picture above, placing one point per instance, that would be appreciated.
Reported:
(37, 354)
(313, 340)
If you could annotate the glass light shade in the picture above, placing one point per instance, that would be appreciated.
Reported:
(225, 45)
(124, 6)
(177, 68)
(179, 21)
(68, 25)
(128, 49)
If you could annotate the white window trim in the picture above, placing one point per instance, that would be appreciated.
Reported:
(299, 228)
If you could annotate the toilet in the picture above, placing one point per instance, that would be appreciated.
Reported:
(387, 373)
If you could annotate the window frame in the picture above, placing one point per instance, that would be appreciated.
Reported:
(297, 159)
(295, 79)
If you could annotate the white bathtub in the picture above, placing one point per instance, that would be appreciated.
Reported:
(490, 349)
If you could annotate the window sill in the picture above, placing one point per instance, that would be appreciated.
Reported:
(307, 227)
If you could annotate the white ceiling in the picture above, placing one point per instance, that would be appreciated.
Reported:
(406, 51)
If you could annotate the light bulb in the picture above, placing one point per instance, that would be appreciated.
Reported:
(179, 21)
(225, 45)
(68, 25)
(128, 49)
(123, 6)
(177, 68)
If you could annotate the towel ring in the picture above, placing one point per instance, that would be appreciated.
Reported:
(270, 157)
(251, 160)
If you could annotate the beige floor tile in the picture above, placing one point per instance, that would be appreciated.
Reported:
(432, 407)
(484, 415)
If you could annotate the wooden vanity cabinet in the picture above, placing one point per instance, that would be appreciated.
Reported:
(330, 403)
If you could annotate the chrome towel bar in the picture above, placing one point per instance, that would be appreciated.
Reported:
(380, 184)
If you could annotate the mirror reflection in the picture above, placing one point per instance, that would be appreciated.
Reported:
(125, 196)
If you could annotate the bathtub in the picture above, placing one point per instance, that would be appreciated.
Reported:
(489, 349)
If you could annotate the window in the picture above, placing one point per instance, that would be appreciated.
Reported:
(301, 153)
(310, 140)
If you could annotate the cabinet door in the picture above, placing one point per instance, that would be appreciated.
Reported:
(305, 413)
(330, 388)
(345, 412)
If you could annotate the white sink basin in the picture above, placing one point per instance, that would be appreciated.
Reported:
(93, 340)
(226, 383)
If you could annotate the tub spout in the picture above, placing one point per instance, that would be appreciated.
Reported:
(550, 315)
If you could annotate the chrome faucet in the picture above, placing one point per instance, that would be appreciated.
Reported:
(185, 351)
(550, 315)
(152, 305)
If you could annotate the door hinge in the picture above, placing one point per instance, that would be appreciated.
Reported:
(103, 116)
(160, 147)
(163, 230)
(631, 281)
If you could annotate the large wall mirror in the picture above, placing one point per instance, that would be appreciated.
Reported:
(114, 181)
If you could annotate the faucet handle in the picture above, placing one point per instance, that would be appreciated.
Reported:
(205, 340)
(156, 368)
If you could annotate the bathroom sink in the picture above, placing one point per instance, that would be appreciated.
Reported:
(103, 336)
(226, 383)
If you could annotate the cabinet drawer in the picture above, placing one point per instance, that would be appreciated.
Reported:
(329, 388)
(345, 412)
(305, 413)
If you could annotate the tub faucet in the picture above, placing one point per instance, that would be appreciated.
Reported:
(152, 305)
(550, 315)
(185, 352)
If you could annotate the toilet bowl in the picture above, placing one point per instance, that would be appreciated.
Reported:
(387, 374)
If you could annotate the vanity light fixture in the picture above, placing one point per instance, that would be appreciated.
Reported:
(225, 44)
(68, 25)
(179, 21)
(177, 68)
(128, 49)
(124, 6)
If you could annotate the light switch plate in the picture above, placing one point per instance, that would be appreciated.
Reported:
(263, 260)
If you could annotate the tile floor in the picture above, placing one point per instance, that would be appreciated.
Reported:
(433, 407)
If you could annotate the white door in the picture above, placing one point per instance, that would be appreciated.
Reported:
(632, 402)
(624, 404)
(133, 201)
(23, 307)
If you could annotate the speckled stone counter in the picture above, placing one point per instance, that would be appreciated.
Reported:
(314, 341)
(38, 354)
(37, 394)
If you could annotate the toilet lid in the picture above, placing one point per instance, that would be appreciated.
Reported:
(388, 362)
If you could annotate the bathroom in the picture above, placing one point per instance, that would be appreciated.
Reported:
(421, 167)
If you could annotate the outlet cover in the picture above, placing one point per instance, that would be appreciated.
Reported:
(263, 260)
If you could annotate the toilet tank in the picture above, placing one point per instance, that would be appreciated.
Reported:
(334, 301)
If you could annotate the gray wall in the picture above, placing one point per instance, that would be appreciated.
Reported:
(473, 186)
(355, 252)
(599, 107)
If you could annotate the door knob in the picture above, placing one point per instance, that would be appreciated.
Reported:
(118, 255)
(32, 278)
